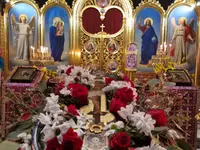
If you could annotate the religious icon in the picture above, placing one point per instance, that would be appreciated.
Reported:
(24, 75)
(57, 39)
(112, 65)
(90, 46)
(112, 47)
(23, 35)
(102, 3)
(131, 61)
(149, 40)
(132, 47)
(183, 36)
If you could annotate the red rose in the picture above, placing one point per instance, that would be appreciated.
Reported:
(25, 116)
(72, 110)
(116, 104)
(125, 94)
(71, 141)
(120, 141)
(69, 70)
(59, 87)
(108, 80)
(54, 145)
(159, 116)
(79, 92)
(125, 78)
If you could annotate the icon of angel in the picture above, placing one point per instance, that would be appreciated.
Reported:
(23, 34)
(183, 36)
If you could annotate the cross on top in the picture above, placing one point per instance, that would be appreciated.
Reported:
(102, 27)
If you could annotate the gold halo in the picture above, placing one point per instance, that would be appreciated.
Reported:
(56, 19)
(148, 19)
(63, 23)
(23, 15)
(182, 18)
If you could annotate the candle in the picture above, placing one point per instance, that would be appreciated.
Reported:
(165, 47)
(161, 47)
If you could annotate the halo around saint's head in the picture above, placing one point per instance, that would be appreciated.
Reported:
(184, 18)
(56, 19)
(23, 16)
(151, 20)
(63, 23)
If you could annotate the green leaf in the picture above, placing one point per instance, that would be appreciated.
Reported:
(24, 125)
(160, 129)
(13, 135)
(184, 145)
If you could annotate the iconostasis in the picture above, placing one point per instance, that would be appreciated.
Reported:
(110, 34)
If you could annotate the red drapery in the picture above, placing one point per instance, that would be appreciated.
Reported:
(91, 20)
(113, 21)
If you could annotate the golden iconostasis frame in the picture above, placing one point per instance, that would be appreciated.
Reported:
(78, 36)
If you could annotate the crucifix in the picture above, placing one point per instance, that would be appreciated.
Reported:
(102, 27)
(97, 108)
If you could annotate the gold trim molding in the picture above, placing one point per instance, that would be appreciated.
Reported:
(6, 29)
(63, 4)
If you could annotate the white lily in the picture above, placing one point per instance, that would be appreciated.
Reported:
(125, 112)
(45, 119)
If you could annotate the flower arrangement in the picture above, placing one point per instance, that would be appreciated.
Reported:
(73, 86)
(141, 119)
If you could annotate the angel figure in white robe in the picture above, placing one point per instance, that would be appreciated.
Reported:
(24, 33)
(183, 36)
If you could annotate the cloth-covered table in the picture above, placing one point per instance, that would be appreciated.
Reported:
(184, 112)
(18, 98)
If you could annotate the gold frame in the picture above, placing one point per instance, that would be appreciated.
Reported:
(114, 71)
(190, 3)
(6, 29)
(78, 7)
(95, 1)
(64, 5)
(102, 34)
(92, 41)
(150, 4)
(117, 45)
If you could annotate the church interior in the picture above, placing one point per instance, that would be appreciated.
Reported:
(99, 75)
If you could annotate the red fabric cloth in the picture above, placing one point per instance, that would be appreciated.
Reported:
(91, 20)
(113, 21)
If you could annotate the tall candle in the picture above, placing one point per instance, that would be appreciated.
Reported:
(165, 47)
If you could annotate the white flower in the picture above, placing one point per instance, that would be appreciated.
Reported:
(49, 133)
(172, 134)
(118, 125)
(76, 70)
(68, 80)
(125, 112)
(25, 146)
(143, 122)
(109, 132)
(60, 69)
(45, 119)
(26, 139)
(65, 91)
(153, 146)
